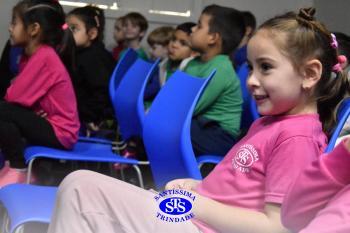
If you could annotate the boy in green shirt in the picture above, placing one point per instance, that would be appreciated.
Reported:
(216, 121)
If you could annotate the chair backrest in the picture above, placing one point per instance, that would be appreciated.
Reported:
(343, 114)
(249, 113)
(128, 98)
(126, 61)
(166, 131)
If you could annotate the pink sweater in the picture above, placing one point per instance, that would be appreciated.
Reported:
(44, 84)
(319, 200)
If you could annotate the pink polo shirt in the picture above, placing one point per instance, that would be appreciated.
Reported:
(319, 199)
(44, 84)
(260, 167)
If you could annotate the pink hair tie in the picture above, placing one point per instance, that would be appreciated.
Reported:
(334, 42)
(338, 67)
(64, 26)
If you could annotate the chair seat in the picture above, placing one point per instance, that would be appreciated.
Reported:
(82, 151)
(28, 203)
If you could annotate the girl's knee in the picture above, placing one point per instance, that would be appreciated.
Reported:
(75, 180)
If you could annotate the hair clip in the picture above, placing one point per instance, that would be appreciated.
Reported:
(338, 67)
(97, 21)
(334, 42)
(65, 26)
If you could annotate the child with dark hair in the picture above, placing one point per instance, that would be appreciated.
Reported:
(180, 51)
(135, 27)
(240, 54)
(94, 67)
(119, 37)
(40, 106)
(216, 121)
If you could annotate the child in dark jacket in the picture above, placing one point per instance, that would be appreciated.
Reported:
(94, 66)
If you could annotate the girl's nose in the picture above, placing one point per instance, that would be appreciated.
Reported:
(252, 81)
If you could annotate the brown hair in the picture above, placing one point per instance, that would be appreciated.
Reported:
(161, 35)
(300, 37)
(137, 19)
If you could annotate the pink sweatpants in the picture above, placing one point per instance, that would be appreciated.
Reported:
(89, 202)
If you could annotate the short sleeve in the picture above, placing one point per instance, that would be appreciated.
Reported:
(287, 160)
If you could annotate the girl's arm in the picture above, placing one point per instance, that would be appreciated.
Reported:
(315, 186)
(226, 218)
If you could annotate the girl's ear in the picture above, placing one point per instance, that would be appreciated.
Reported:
(34, 29)
(93, 33)
(311, 72)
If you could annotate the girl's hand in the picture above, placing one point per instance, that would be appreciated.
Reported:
(189, 184)
(42, 113)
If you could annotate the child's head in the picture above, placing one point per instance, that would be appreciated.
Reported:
(135, 26)
(87, 24)
(41, 20)
(118, 34)
(179, 46)
(250, 26)
(295, 68)
(249, 22)
(220, 27)
(158, 41)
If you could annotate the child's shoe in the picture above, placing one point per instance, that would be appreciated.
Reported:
(125, 154)
(10, 175)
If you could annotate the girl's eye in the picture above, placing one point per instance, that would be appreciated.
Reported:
(265, 67)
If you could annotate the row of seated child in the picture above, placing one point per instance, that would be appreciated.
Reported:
(295, 92)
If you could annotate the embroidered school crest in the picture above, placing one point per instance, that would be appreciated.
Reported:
(245, 157)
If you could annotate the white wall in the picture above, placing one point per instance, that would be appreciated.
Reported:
(263, 9)
(332, 13)
(5, 18)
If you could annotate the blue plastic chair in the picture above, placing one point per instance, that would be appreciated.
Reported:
(166, 131)
(22, 206)
(127, 60)
(343, 114)
(130, 114)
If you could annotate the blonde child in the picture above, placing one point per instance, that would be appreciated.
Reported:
(40, 106)
(245, 191)
(158, 40)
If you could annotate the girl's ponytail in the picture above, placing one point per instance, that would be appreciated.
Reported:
(66, 49)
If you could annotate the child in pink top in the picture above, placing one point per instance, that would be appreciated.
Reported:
(318, 201)
(245, 191)
(39, 106)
